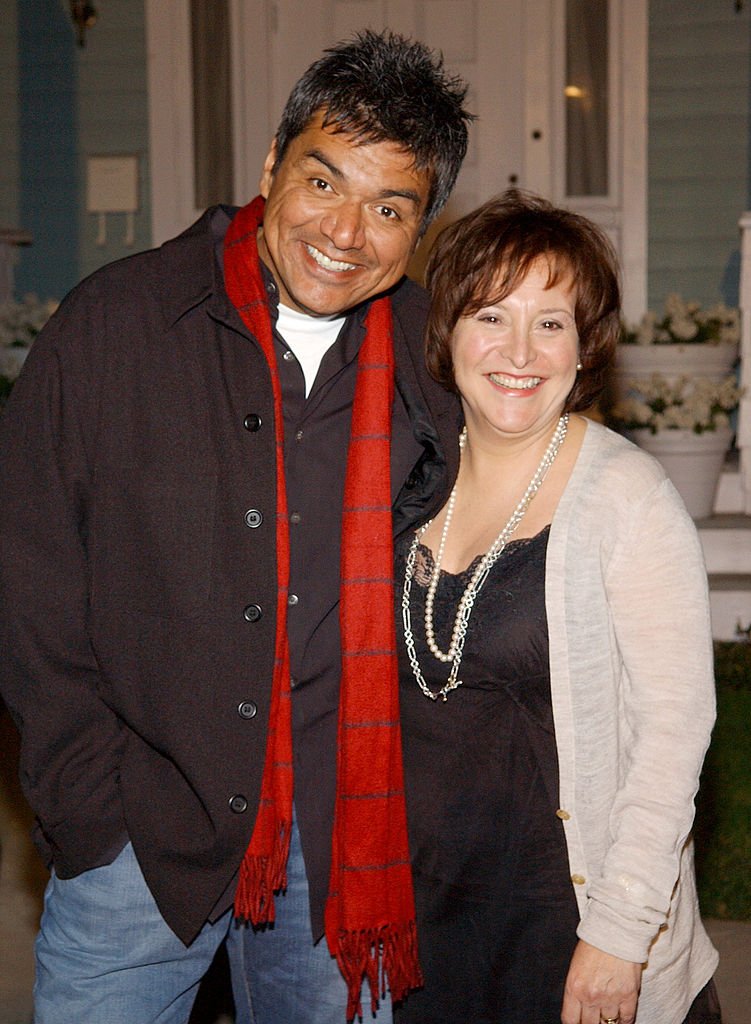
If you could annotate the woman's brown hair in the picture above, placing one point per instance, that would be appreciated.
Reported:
(483, 257)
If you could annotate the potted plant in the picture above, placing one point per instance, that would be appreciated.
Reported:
(685, 423)
(684, 340)
(20, 322)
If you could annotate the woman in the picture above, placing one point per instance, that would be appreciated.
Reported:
(556, 663)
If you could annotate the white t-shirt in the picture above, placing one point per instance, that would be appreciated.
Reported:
(309, 337)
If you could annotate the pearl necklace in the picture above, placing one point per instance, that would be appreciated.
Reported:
(491, 556)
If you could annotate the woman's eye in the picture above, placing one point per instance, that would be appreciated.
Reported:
(551, 325)
(489, 318)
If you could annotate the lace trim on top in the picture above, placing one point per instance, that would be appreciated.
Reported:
(425, 562)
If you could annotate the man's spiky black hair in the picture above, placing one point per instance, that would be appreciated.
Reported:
(385, 87)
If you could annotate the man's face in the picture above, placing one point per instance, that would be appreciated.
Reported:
(341, 220)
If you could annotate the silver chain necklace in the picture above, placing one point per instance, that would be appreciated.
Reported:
(459, 633)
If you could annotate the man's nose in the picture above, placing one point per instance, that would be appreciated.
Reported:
(344, 226)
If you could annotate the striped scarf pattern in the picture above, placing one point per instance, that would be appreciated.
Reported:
(369, 917)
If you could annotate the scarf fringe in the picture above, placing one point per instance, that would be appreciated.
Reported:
(386, 956)
(260, 877)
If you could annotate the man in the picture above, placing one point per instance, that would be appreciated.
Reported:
(197, 474)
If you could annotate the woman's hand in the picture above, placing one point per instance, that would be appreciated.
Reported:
(600, 987)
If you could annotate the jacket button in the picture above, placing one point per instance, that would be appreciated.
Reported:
(252, 613)
(578, 879)
(253, 518)
(563, 815)
(252, 422)
(238, 804)
(247, 709)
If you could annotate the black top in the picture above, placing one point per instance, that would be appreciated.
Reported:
(496, 910)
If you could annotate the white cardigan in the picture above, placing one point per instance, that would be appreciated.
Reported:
(633, 698)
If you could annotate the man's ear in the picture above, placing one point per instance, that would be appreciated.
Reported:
(267, 175)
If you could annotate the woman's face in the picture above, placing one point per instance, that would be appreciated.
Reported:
(515, 360)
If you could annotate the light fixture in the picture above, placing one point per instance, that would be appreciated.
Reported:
(84, 16)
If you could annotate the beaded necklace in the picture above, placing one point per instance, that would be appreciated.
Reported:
(459, 633)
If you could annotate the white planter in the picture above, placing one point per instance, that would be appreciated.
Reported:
(692, 461)
(639, 362)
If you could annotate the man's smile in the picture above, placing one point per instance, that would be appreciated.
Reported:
(328, 264)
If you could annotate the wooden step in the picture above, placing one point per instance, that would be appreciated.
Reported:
(726, 541)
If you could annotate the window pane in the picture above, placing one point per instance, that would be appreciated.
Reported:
(586, 92)
(212, 102)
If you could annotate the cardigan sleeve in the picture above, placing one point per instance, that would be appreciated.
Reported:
(48, 671)
(656, 590)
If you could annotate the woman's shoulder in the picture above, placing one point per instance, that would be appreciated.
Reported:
(614, 460)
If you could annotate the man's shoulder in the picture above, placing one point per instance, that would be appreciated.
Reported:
(176, 265)
(410, 304)
(410, 294)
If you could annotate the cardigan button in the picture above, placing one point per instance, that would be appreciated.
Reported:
(252, 613)
(578, 879)
(238, 804)
(252, 422)
(563, 815)
(253, 518)
(247, 709)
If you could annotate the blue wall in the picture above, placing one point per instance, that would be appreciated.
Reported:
(9, 134)
(48, 185)
(74, 103)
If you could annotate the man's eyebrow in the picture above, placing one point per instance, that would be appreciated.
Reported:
(388, 193)
(316, 154)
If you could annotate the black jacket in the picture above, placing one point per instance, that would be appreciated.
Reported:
(139, 433)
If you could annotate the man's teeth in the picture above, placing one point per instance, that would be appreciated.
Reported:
(517, 383)
(326, 263)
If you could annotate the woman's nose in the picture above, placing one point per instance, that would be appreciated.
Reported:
(519, 351)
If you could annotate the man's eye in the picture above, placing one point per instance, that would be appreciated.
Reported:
(388, 212)
(321, 184)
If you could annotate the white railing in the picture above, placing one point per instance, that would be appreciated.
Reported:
(744, 413)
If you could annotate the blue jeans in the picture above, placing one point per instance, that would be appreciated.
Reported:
(104, 954)
(279, 976)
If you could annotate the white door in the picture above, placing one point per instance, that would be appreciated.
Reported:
(511, 52)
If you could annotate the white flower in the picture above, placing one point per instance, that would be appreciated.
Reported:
(645, 329)
(675, 307)
(684, 327)
(686, 322)
(20, 322)
(697, 404)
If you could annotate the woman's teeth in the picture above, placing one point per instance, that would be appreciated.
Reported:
(516, 383)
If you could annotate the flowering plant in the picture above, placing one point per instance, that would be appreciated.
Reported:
(20, 322)
(697, 403)
(685, 323)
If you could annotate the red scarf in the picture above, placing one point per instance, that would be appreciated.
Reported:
(370, 916)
